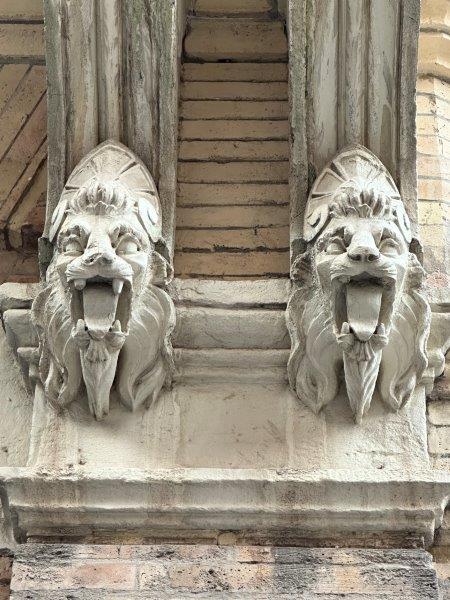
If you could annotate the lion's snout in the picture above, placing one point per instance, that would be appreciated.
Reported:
(106, 265)
(105, 258)
(362, 248)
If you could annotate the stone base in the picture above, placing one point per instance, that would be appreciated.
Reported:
(154, 572)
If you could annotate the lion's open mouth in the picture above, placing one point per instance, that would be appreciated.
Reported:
(101, 303)
(363, 305)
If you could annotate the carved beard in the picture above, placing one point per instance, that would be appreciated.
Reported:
(137, 363)
(396, 363)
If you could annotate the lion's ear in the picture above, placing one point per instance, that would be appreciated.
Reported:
(315, 222)
(150, 219)
(57, 219)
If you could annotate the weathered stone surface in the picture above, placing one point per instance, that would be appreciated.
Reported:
(105, 229)
(234, 148)
(234, 7)
(24, 41)
(18, 328)
(439, 412)
(353, 72)
(218, 90)
(204, 194)
(233, 172)
(245, 572)
(247, 71)
(111, 73)
(359, 296)
(439, 441)
(247, 217)
(240, 40)
(222, 328)
(17, 295)
(236, 294)
(21, 9)
(234, 130)
(234, 109)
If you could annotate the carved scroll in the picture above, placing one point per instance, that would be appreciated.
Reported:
(358, 308)
(103, 324)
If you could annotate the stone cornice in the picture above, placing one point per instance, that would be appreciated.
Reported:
(259, 505)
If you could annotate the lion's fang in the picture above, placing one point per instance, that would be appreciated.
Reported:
(117, 286)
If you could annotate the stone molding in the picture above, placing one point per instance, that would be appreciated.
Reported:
(260, 506)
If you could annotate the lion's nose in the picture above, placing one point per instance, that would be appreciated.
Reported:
(102, 258)
(363, 253)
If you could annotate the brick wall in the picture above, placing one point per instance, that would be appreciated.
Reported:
(433, 138)
(137, 572)
(23, 131)
(6, 562)
(433, 128)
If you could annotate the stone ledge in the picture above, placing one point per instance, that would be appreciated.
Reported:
(258, 506)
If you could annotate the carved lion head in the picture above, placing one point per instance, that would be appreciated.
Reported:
(358, 302)
(100, 318)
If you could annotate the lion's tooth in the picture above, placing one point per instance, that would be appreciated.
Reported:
(381, 330)
(117, 286)
(345, 327)
(81, 325)
(117, 327)
(80, 284)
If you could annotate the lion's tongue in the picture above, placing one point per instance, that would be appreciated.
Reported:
(363, 308)
(99, 304)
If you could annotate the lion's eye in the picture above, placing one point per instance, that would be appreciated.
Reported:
(73, 247)
(389, 247)
(128, 247)
(336, 246)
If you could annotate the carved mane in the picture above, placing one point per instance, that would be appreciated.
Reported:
(358, 311)
(103, 324)
(140, 374)
(314, 365)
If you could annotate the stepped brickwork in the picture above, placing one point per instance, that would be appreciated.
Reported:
(232, 206)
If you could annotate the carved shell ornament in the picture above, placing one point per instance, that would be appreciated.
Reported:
(357, 309)
(103, 324)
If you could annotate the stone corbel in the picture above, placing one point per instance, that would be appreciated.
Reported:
(103, 324)
(358, 309)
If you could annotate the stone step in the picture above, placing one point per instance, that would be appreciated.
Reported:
(239, 8)
(227, 294)
(233, 265)
(214, 240)
(256, 72)
(234, 130)
(234, 150)
(233, 172)
(207, 194)
(206, 327)
(238, 40)
(245, 365)
(229, 109)
(232, 216)
(240, 90)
